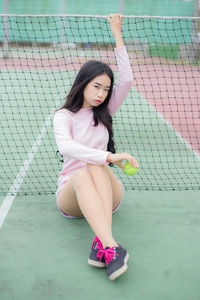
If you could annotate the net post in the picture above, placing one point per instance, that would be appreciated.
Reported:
(195, 38)
(196, 8)
(63, 6)
(64, 44)
(62, 30)
(121, 6)
(6, 29)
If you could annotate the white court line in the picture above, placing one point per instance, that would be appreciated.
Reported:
(9, 199)
(188, 145)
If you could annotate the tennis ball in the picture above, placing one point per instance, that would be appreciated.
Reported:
(130, 170)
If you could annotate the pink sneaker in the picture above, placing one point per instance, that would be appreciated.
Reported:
(96, 258)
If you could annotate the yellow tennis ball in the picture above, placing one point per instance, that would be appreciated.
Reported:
(130, 170)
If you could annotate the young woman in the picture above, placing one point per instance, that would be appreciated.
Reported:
(83, 131)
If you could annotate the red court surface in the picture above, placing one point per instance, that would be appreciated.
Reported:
(173, 90)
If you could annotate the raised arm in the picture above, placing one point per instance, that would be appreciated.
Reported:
(116, 28)
(125, 76)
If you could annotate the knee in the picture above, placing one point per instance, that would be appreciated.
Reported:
(79, 178)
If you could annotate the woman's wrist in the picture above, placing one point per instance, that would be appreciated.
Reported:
(119, 41)
(109, 158)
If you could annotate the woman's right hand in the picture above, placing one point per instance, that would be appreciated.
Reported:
(115, 21)
(118, 158)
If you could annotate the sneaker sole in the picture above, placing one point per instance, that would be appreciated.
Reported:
(97, 264)
(120, 271)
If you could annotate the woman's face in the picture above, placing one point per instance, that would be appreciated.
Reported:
(96, 91)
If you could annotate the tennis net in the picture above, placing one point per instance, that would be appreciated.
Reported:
(159, 123)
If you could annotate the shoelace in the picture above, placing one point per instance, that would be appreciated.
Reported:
(109, 254)
(99, 244)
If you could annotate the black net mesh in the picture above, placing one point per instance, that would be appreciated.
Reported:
(159, 123)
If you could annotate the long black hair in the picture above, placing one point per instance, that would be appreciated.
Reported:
(74, 100)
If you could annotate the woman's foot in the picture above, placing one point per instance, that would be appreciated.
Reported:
(116, 261)
(96, 258)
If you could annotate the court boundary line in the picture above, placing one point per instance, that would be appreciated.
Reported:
(188, 145)
(15, 186)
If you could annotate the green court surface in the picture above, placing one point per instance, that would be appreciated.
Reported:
(44, 256)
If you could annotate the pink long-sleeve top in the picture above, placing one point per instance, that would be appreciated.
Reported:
(77, 139)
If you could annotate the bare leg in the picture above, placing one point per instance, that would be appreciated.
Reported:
(79, 196)
(117, 187)
(103, 187)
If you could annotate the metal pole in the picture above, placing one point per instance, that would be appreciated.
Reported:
(195, 35)
(64, 44)
(64, 7)
(62, 31)
(121, 6)
(195, 14)
(195, 22)
(196, 8)
(6, 29)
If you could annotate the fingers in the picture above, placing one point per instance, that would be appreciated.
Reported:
(118, 159)
(115, 18)
(132, 161)
(120, 165)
